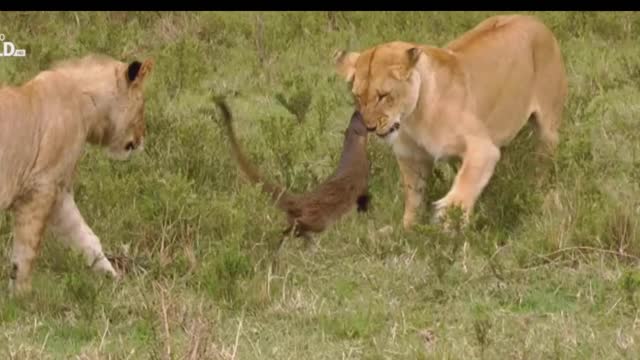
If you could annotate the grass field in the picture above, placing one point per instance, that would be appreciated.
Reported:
(547, 270)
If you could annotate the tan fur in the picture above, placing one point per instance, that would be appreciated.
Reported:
(44, 125)
(466, 100)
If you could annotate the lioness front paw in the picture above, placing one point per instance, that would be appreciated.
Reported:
(440, 208)
(408, 221)
(444, 215)
(103, 265)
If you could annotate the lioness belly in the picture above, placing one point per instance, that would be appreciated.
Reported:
(506, 122)
(513, 102)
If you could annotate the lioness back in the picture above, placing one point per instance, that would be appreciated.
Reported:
(514, 57)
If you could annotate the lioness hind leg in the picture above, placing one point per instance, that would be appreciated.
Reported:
(547, 129)
(547, 124)
(550, 99)
(547, 120)
(30, 220)
(477, 168)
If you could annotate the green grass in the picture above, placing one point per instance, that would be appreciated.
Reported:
(546, 271)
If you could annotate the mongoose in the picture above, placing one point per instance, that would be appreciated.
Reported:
(314, 211)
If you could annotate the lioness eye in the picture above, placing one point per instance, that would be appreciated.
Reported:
(382, 96)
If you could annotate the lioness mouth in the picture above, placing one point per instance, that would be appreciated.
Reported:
(393, 128)
(130, 146)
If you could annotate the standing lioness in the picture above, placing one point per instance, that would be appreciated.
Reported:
(465, 100)
(44, 125)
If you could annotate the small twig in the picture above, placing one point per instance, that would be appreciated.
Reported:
(259, 39)
(549, 261)
(235, 346)
(284, 285)
(464, 256)
(613, 307)
(104, 334)
(131, 353)
(535, 267)
(165, 322)
(593, 249)
(484, 267)
(196, 346)
(195, 333)
(44, 343)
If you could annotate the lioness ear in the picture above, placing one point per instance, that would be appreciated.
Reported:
(403, 72)
(345, 63)
(136, 71)
(132, 71)
(413, 55)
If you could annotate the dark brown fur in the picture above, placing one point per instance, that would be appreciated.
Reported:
(315, 210)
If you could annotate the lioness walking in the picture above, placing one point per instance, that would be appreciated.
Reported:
(44, 125)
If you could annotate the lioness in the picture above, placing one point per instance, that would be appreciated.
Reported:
(465, 100)
(44, 125)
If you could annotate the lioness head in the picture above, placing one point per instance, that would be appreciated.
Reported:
(126, 114)
(384, 83)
